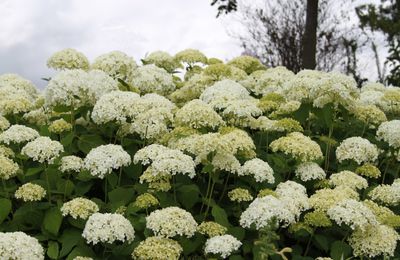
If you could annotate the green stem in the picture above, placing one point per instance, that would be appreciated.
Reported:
(48, 183)
(384, 173)
(224, 189)
(208, 190)
(65, 188)
(105, 190)
(209, 199)
(119, 176)
(308, 244)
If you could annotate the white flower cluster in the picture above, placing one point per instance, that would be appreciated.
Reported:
(101, 160)
(348, 179)
(163, 60)
(357, 149)
(108, 228)
(68, 59)
(170, 222)
(388, 194)
(157, 248)
(43, 149)
(30, 192)
(71, 163)
(116, 64)
(260, 170)
(197, 114)
(309, 171)
(352, 213)
(294, 196)
(18, 134)
(223, 245)
(8, 168)
(324, 199)
(152, 79)
(77, 88)
(390, 133)
(271, 80)
(79, 208)
(165, 160)
(18, 245)
(4, 124)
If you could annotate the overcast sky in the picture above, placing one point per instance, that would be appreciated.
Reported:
(31, 30)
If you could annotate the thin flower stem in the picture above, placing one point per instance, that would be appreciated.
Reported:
(5, 188)
(224, 189)
(209, 199)
(208, 190)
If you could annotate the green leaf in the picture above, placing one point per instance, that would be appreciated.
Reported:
(67, 140)
(340, 250)
(188, 195)
(88, 142)
(220, 216)
(52, 250)
(237, 232)
(68, 240)
(81, 250)
(322, 242)
(33, 171)
(124, 195)
(52, 221)
(5, 209)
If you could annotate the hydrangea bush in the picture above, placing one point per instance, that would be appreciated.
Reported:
(188, 157)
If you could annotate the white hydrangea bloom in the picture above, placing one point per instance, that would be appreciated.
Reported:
(293, 196)
(18, 245)
(272, 80)
(348, 179)
(108, 228)
(152, 79)
(71, 163)
(8, 168)
(262, 210)
(18, 134)
(15, 101)
(357, 149)
(299, 87)
(353, 213)
(371, 97)
(68, 59)
(226, 162)
(390, 133)
(309, 171)
(43, 149)
(114, 106)
(223, 91)
(197, 114)
(170, 222)
(101, 160)
(79, 208)
(4, 124)
(14, 81)
(165, 160)
(116, 64)
(30, 192)
(223, 245)
(374, 240)
(260, 170)
(388, 194)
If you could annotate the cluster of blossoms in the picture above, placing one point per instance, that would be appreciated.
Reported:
(357, 149)
(43, 149)
(18, 134)
(18, 245)
(30, 192)
(101, 160)
(223, 245)
(108, 228)
(157, 248)
(79, 208)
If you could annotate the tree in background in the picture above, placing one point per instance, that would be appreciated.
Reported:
(385, 17)
(298, 34)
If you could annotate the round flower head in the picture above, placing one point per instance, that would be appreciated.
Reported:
(374, 240)
(324, 199)
(68, 59)
(79, 208)
(352, 213)
(211, 229)
(116, 64)
(114, 106)
(71, 163)
(317, 219)
(357, 149)
(191, 56)
(8, 168)
(18, 245)
(101, 160)
(389, 132)
(107, 228)
(6, 152)
(240, 195)
(161, 59)
(82, 258)
(309, 171)
(299, 146)
(369, 114)
(37, 117)
(16, 82)
(165, 160)
(43, 149)
(293, 196)
(157, 248)
(18, 134)
(383, 214)
(4, 124)
(170, 222)
(15, 101)
(368, 170)
(247, 63)
(30, 192)
(197, 114)
(145, 201)
(262, 210)
(348, 179)
(387, 194)
(152, 79)
(223, 245)
(60, 125)
(260, 170)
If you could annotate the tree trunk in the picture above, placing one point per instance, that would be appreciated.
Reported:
(310, 35)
